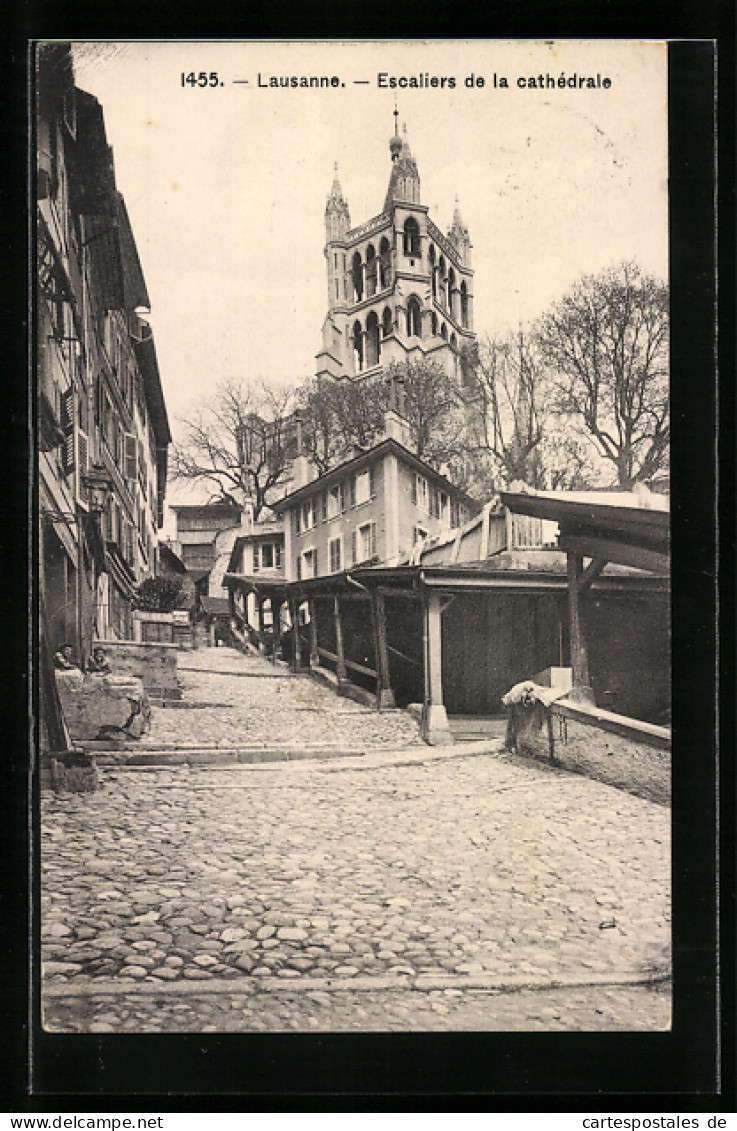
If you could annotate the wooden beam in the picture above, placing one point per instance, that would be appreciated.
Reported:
(347, 663)
(579, 651)
(384, 693)
(485, 512)
(340, 652)
(296, 642)
(592, 571)
(275, 627)
(435, 729)
(624, 553)
(314, 654)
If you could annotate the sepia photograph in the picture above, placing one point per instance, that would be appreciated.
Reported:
(352, 367)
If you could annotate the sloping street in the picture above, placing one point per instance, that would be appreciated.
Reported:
(400, 888)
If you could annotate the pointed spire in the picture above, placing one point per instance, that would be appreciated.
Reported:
(337, 215)
(404, 182)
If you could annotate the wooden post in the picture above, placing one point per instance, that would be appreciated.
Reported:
(314, 654)
(275, 626)
(340, 663)
(384, 693)
(296, 646)
(581, 689)
(435, 729)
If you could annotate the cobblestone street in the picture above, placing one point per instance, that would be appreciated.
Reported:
(410, 888)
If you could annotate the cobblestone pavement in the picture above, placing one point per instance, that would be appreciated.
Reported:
(602, 1009)
(445, 875)
(263, 703)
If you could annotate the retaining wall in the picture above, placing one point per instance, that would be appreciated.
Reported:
(154, 664)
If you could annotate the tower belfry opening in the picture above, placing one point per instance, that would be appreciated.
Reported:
(399, 288)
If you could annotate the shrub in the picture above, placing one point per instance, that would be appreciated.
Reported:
(157, 595)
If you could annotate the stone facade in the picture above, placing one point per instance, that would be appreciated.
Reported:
(154, 664)
(98, 707)
(398, 288)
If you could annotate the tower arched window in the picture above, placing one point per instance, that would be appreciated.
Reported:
(371, 267)
(357, 276)
(387, 323)
(434, 324)
(444, 332)
(384, 261)
(452, 298)
(357, 347)
(442, 283)
(464, 305)
(414, 321)
(373, 343)
(411, 238)
(433, 271)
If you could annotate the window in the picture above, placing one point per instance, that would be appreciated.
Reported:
(414, 319)
(439, 504)
(297, 520)
(411, 237)
(419, 490)
(308, 515)
(336, 500)
(309, 564)
(267, 555)
(363, 487)
(366, 542)
(256, 563)
(336, 554)
(324, 506)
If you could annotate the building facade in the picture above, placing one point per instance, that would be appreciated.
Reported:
(196, 530)
(102, 428)
(372, 508)
(398, 288)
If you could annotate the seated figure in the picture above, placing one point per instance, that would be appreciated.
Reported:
(99, 663)
(64, 659)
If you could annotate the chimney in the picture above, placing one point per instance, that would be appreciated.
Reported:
(247, 516)
(302, 472)
(397, 428)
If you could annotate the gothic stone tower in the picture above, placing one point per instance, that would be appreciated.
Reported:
(398, 288)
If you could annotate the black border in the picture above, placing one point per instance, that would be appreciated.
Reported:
(408, 1071)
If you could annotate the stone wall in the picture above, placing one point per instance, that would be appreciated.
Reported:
(621, 753)
(154, 664)
(103, 707)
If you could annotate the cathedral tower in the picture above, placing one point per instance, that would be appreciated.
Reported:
(398, 288)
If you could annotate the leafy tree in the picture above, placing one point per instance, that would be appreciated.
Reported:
(607, 343)
(157, 594)
(241, 444)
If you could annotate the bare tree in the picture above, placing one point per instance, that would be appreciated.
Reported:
(607, 342)
(241, 444)
(509, 387)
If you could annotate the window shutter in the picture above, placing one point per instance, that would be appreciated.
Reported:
(353, 490)
(82, 451)
(299, 568)
(373, 539)
(414, 487)
(297, 519)
(341, 496)
(68, 452)
(372, 481)
(354, 547)
(324, 506)
(277, 556)
(255, 558)
(131, 456)
(314, 562)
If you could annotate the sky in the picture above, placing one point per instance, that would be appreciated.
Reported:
(226, 184)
